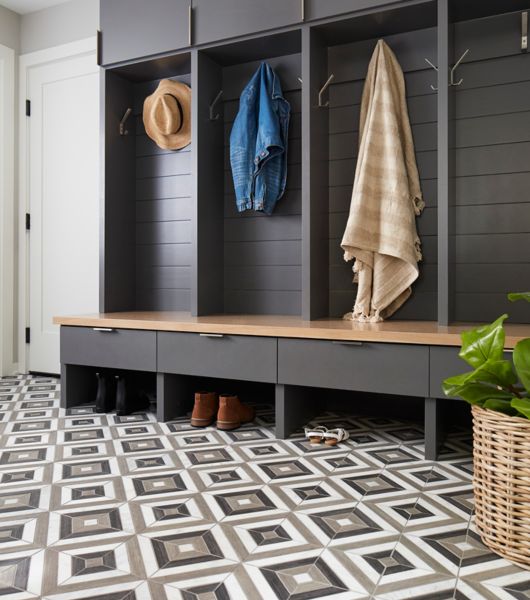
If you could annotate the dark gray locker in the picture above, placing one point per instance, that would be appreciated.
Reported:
(223, 19)
(136, 28)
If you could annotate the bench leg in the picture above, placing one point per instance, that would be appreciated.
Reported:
(174, 396)
(295, 406)
(434, 429)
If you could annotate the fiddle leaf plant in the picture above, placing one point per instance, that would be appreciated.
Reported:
(495, 383)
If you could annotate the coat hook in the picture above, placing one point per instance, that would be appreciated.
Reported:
(436, 69)
(212, 106)
(524, 31)
(124, 131)
(457, 64)
(323, 89)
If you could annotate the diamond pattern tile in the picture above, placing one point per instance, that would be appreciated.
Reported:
(124, 508)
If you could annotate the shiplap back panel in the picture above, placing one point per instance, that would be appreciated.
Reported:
(262, 254)
(349, 63)
(492, 170)
(163, 213)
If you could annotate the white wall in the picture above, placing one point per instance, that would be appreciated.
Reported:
(10, 29)
(68, 22)
(10, 36)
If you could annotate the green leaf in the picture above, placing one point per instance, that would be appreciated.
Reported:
(503, 406)
(479, 393)
(521, 360)
(484, 343)
(482, 383)
(522, 405)
(496, 372)
(519, 296)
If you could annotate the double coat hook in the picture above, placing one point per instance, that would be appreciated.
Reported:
(124, 131)
(452, 82)
(457, 64)
(323, 89)
(212, 106)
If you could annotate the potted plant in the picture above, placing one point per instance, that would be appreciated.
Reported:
(499, 392)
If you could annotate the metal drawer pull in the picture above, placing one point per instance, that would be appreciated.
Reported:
(107, 329)
(346, 343)
(211, 335)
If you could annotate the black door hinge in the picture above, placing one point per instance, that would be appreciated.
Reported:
(28, 221)
(28, 108)
(99, 58)
(28, 335)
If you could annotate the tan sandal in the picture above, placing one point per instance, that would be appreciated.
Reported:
(315, 435)
(334, 436)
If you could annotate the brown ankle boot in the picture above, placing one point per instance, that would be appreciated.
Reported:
(205, 409)
(232, 413)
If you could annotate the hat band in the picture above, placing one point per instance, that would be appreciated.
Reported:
(180, 110)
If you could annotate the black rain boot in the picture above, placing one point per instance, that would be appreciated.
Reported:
(105, 395)
(121, 396)
(127, 403)
(101, 394)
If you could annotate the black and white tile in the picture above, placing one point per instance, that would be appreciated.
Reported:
(124, 508)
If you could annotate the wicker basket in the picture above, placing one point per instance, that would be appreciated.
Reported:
(501, 460)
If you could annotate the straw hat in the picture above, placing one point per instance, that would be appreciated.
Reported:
(167, 116)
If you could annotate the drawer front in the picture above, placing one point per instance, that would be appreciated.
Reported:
(112, 348)
(226, 356)
(400, 369)
(444, 363)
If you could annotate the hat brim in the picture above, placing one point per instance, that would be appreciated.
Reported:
(172, 141)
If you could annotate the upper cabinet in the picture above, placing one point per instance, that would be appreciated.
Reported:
(223, 19)
(318, 9)
(136, 28)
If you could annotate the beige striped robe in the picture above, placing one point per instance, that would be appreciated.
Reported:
(381, 230)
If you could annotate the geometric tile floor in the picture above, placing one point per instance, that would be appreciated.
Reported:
(102, 507)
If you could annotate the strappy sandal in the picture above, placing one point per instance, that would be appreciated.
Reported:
(315, 435)
(334, 436)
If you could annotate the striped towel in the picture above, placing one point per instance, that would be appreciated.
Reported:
(381, 230)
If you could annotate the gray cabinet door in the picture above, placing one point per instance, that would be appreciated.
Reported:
(106, 347)
(401, 369)
(445, 362)
(136, 28)
(247, 358)
(318, 9)
(223, 19)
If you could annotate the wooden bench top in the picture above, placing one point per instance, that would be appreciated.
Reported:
(397, 332)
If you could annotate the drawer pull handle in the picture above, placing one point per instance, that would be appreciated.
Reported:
(105, 329)
(211, 335)
(346, 343)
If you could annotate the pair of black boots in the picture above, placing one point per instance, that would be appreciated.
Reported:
(112, 393)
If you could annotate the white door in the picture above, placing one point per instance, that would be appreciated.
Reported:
(62, 175)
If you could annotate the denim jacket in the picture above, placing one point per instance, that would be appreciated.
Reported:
(258, 143)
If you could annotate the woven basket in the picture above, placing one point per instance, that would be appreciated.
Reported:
(501, 461)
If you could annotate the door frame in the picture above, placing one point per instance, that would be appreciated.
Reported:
(26, 63)
(7, 212)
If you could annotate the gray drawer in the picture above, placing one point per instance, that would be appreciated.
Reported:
(246, 358)
(445, 362)
(366, 367)
(113, 348)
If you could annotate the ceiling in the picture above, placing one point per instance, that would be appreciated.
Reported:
(26, 6)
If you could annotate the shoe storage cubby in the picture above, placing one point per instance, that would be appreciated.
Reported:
(172, 239)
(79, 383)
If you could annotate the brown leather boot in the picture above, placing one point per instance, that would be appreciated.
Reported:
(205, 409)
(232, 413)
